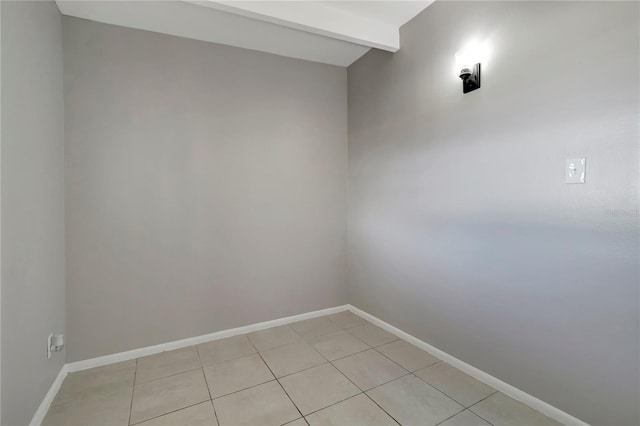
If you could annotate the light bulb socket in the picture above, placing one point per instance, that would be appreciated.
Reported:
(465, 73)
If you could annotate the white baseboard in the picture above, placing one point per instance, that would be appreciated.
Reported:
(515, 393)
(497, 384)
(38, 417)
(177, 344)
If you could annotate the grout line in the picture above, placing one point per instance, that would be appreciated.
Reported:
(295, 420)
(388, 381)
(442, 392)
(347, 356)
(215, 413)
(171, 375)
(365, 392)
(306, 369)
(480, 416)
(461, 411)
(133, 391)
(449, 396)
(199, 357)
(170, 412)
(280, 384)
(165, 377)
(314, 366)
(290, 399)
(375, 346)
(380, 406)
(204, 375)
(282, 387)
(386, 357)
(206, 383)
(473, 405)
(488, 396)
(336, 403)
(240, 390)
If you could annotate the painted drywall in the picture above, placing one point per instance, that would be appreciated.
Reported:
(32, 174)
(462, 231)
(205, 187)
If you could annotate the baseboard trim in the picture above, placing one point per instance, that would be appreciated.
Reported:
(177, 344)
(42, 410)
(515, 393)
(530, 400)
(38, 417)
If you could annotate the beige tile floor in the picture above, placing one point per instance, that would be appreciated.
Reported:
(332, 370)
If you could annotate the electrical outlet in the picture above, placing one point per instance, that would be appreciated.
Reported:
(55, 343)
(49, 345)
(575, 170)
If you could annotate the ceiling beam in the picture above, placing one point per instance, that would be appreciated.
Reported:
(316, 18)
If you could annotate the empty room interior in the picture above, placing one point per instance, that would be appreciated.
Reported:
(316, 213)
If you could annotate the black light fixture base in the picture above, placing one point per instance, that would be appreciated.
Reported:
(471, 81)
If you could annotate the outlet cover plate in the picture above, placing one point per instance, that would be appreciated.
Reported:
(575, 170)
(49, 346)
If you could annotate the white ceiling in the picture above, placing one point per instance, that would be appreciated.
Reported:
(332, 32)
(396, 13)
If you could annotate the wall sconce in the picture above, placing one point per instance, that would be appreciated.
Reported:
(468, 65)
(470, 78)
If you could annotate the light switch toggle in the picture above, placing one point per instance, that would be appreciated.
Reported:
(575, 170)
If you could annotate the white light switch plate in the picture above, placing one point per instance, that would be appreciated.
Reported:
(575, 170)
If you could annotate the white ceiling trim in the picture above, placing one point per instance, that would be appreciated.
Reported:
(316, 18)
(332, 32)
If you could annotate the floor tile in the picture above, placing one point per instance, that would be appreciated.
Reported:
(225, 349)
(338, 345)
(298, 422)
(368, 369)
(240, 373)
(273, 337)
(314, 327)
(501, 410)
(407, 355)
(456, 384)
(153, 399)
(96, 382)
(359, 410)
(106, 409)
(290, 359)
(346, 319)
(372, 335)
(317, 388)
(197, 415)
(166, 364)
(264, 405)
(411, 401)
(466, 418)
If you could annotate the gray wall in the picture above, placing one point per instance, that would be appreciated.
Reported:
(206, 187)
(462, 231)
(33, 264)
